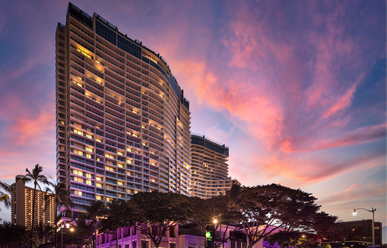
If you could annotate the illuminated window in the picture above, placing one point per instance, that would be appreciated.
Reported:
(88, 156)
(120, 183)
(99, 185)
(120, 165)
(79, 173)
(98, 140)
(77, 179)
(78, 193)
(99, 198)
(99, 178)
(128, 149)
(109, 168)
(109, 156)
(88, 175)
(78, 132)
(129, 161)
(120, 153)
(89, 149)
(89, 136)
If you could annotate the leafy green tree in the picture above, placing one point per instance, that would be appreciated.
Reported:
(36, 177)
(93, 213)
(13, 235)
(156, 213)
(301, 210)
(5, 194)
(267, 208)
(61, 197)
(119, 214)
(323, 224)
(224, 208)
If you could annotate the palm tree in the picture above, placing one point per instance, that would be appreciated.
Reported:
(93, 212)
(61, 197)
(5, 196)
(44, 232)
(36, 177)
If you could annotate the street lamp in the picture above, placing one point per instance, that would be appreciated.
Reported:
(354, 213)
(61, 231)
(215, 221)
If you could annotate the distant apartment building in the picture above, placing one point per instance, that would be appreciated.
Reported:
(122, 121)
(209, 168)
(21, 209)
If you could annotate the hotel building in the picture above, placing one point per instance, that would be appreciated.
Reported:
(21, 208)
(209, 168)
(122, 122)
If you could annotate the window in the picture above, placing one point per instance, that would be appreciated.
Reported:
(89, 149)
(99, 185)
(88, 182)
(78, 132)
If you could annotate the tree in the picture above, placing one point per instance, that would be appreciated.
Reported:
(36, 177)
(323, 223)
(5, 194)
(299, 213)
(267, 208)
(12, 235)
(44, 232)
(93, 212)
(61, 197)
(119, 214)
(156, 213)
(82, 235)
(224, 208)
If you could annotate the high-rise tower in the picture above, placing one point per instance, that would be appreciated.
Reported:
(209, 168)
(123, 124)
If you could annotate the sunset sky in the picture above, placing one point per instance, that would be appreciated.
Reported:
(296, 89)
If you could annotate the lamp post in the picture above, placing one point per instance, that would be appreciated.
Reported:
(220, 229)
(61, 232)
(354, 213)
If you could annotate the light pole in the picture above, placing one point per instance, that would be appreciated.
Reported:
(61, 232)
(220, 229)
(354, 213)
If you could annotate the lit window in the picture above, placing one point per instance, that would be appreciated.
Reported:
(120, 183)
(88, 175)
(88, 155)
(78, 193)
(120, 165)
(88, 182)
(99, 198)
(120, 153)
(89, 136)
(77, 179)
(109, 156)
(128, 149)
(98, 140)
(129, 161)
(78, 132)
(99, 178)
(99, 185)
